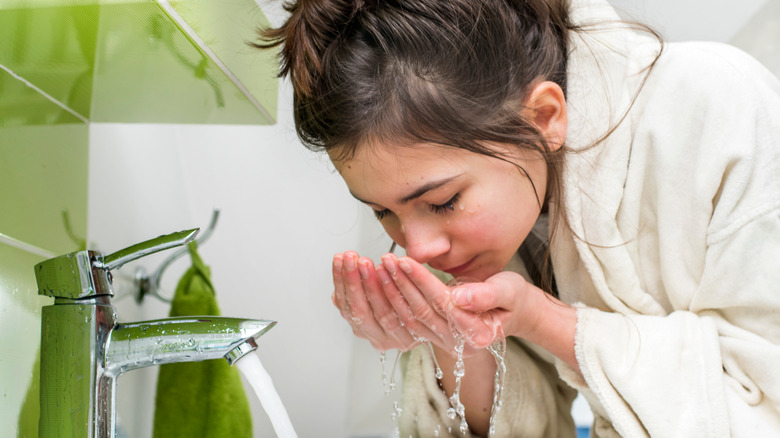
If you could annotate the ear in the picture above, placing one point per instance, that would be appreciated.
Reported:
(546, 105)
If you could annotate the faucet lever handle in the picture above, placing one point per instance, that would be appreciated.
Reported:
(85, 274)
(134, 252)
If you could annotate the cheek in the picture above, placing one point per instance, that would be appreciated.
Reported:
(494, 226)
(479, 226)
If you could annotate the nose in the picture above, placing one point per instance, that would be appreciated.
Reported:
(424, 241)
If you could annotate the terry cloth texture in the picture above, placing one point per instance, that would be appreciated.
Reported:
(200, 399)
(674, 236)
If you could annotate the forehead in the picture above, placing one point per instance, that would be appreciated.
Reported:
(399, 161)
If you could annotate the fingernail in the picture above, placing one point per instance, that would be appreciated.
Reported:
(382, 273)
(462, 296)
(349, 262)
(338, 261)
(405, 266)
(389, 264)
(363, 269)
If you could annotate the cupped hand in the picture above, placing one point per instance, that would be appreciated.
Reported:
(360, 298)
(504, 304)
(520, 309)
(399, 304)
(424, 303)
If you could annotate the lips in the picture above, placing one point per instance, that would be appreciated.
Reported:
(459, 269)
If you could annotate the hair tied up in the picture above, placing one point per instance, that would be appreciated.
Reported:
(312, 27)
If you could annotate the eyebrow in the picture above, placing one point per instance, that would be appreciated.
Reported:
(423, 189)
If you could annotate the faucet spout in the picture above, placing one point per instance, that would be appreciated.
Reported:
(84, 348)
(185, 339)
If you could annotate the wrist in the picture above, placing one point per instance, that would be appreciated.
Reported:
(555, 328)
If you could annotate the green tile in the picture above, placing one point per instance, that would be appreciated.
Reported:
(20, 313)
(43, 173)
(22, 105)
(129, 61)
(149, 71)
(227, 27)
(52, 48)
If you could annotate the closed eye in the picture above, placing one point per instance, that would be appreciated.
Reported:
(381, 214)
(447, 206)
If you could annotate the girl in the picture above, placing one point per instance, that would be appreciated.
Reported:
(468, 126)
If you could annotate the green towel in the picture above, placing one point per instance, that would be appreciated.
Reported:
(200, 399)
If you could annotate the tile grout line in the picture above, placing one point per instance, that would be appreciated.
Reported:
(26, 246)
(44, 94)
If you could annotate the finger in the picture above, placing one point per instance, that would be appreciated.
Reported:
(417, 329)
(421, 309)
(383, 311)
(339, 298)
(436, 292)
(361, 316)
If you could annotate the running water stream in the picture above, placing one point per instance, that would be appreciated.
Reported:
(457, 409)
(252, 369)
(497, 349)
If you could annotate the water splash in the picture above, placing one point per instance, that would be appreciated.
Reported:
(389, 383)
(457, 409)
(382, 360)
(498, 349)
(252, 369)
(439, 372)
(396, 411)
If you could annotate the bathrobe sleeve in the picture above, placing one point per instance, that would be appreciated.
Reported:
(535, 402)
(704, 180)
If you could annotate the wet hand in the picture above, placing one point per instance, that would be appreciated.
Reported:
(520, 309)
(422, 302)
(360, 298)
(504, 304)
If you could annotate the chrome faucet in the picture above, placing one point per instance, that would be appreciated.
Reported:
(84, 349)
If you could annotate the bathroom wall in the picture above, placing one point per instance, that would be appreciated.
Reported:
(283, 214)
(43, 212)
(43, 203)
(760, 36)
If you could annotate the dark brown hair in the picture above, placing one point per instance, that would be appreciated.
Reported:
(451, 72)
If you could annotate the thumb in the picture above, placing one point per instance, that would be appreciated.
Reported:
(497, 292)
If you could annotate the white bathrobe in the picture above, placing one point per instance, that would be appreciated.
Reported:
(673, 252)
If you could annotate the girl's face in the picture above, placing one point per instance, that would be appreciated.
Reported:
(458, 211)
